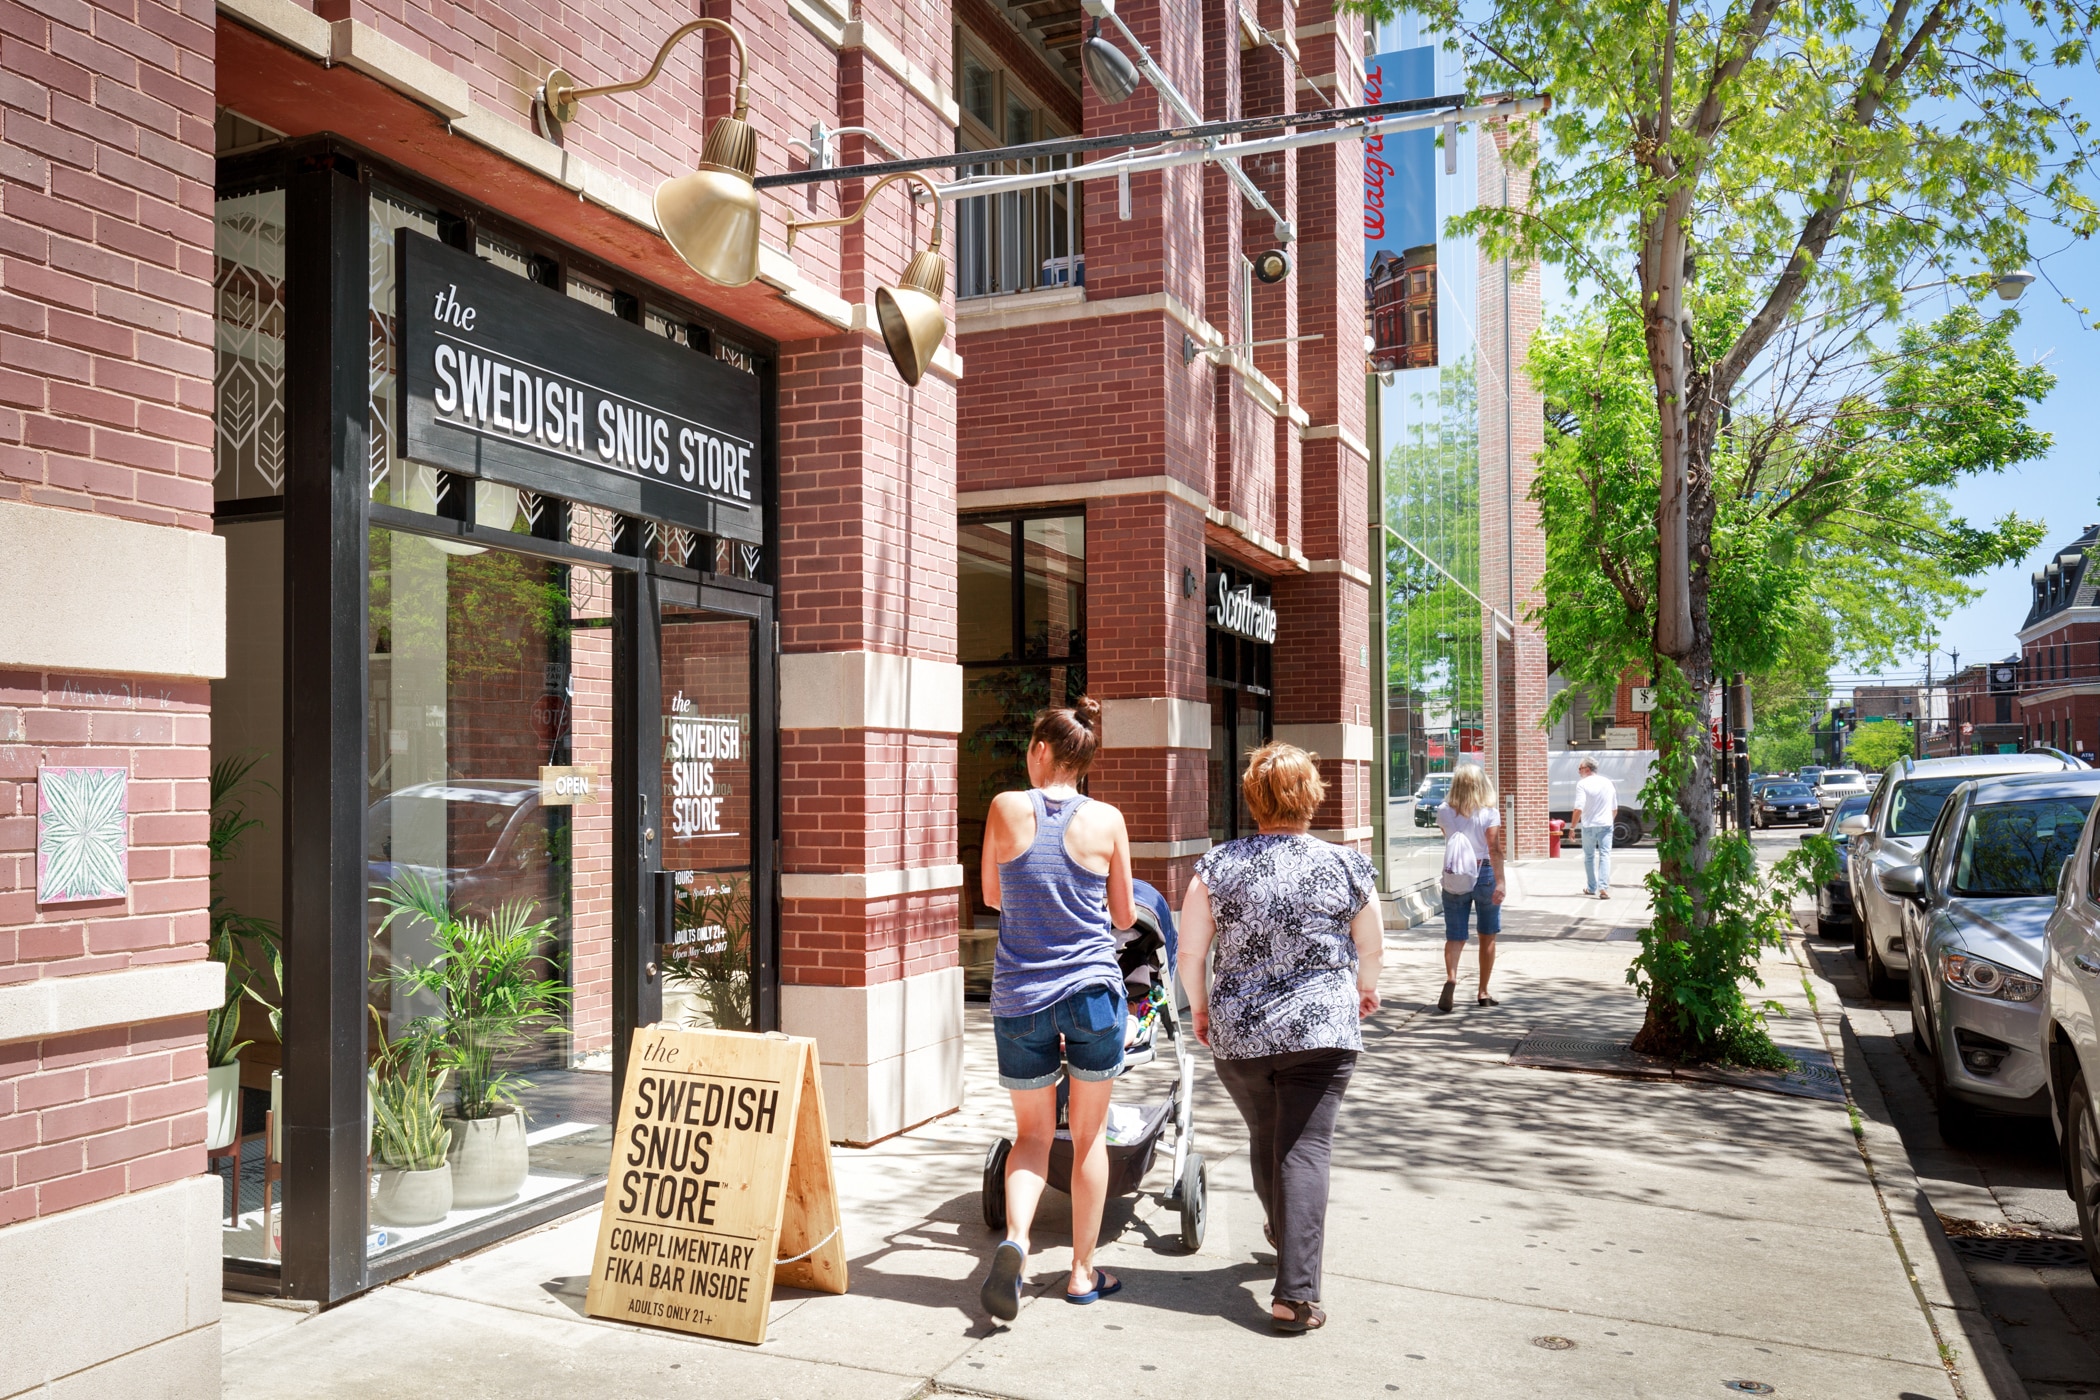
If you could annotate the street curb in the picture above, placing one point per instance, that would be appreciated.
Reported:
(1980, 1368)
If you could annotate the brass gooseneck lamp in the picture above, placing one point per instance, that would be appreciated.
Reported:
(710, 216)
(910, 314)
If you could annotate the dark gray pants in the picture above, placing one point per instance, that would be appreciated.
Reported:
(1290, 1103)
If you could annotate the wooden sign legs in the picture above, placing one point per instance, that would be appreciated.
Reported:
(720, 1187)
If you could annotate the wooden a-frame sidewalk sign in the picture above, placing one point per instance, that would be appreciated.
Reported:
(720, 1185)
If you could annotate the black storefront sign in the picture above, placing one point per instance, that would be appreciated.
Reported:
(1239, 610)
(512, 382)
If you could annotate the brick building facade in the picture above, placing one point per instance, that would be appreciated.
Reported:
(231, 554)
(2059, 698)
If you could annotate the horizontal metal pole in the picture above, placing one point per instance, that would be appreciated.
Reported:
(1237, 150)
(1134, 140)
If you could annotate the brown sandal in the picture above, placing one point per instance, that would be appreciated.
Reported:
(1305, 1317)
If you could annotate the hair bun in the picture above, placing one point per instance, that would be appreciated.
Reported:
(1088, 711)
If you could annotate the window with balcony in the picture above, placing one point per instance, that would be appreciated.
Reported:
(1022, 240)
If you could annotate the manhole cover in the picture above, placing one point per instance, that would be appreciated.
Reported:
(1747, 1387)
(1553, 1343)
(2027, 1253)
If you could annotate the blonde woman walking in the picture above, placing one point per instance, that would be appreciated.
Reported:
(1472, 875)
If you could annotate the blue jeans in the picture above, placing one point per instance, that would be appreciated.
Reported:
(1459, 908)
(1596, 857)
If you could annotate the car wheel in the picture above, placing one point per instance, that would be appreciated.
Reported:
(1881, 983)
(2083, 1174)
(1958, 1121)
(1625, 831)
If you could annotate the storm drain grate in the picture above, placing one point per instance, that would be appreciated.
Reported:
(2027, 1253)
(1813, 1075)
(1561, 1047)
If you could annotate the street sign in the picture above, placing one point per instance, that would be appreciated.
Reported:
(721, 1185)
(1643, 699)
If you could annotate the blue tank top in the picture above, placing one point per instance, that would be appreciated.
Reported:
(1054, 934)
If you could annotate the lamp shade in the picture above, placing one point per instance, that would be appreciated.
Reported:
(1111, 75)
(710, 217)
(910, 315)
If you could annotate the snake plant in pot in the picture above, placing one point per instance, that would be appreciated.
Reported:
(496, 991)
(234, 937)
(411, 1178)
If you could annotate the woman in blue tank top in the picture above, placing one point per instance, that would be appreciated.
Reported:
(1057, 867)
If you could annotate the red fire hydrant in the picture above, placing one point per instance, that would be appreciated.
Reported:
(1554, 829)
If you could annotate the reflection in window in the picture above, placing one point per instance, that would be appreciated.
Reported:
(393, 480)
(1021, 627)
(248, 370)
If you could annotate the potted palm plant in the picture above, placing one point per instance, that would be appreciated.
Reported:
(411, 1178)
(495, 990)
(233, 935)
(709, 971)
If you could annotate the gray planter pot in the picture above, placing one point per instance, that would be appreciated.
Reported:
(404, 1197)
(488, 1158)
(222, 1105)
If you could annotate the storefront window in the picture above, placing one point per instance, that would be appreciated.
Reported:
(710, 978)
(1021, 628)
(489, 852)
(248, 371)
(394, 481)
(1242, 710)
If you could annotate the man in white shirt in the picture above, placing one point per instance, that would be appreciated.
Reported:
(1596, 805)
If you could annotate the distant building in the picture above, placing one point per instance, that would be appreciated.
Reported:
(1400, 295)
(2059, 682)
(1879, 702)
(1981, 714)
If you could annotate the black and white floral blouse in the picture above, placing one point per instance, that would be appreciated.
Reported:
(1284, 975)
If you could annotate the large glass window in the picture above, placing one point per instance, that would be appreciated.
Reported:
(1021, 627)
(1025, 240)
(489, 854)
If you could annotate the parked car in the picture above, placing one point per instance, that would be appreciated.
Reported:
(1976, 908)
(1628, 770)
(1834, 785)
(1834, 896)
(2070, 1018)
(1430, 796)
(1776, 803)
(1893, 832)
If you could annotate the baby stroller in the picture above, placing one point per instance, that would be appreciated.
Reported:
(1146, 955)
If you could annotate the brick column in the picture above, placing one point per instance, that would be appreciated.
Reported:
(870, 695)
(1512, 544)
(115, 622)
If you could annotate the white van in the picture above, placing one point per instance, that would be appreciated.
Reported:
(1628, 770)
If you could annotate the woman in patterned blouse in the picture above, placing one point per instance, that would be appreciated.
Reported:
(1299, 938)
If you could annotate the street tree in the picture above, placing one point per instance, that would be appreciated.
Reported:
(1875, 746)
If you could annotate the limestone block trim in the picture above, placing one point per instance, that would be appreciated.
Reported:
(1335, 430)
(56, 1006)
(822, 18)
(1237, 524)
(1156, 722)
(925, 86)
(872, 884)
(1342, 836)
(97, 593)
(364, 48)
(1076, 492)
(144, 1266)
(1168, 850)
(890, 1054)
(1343, 567)
(869, 690)
(1351, 743)
(2060, 618)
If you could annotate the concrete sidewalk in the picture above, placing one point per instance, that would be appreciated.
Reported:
(1675, 1237)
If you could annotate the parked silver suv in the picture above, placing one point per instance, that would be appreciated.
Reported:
(1893, 832)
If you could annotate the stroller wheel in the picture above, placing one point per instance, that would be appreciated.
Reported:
(1195, 1201)
(994, 1193)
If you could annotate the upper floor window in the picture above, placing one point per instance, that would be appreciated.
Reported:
(1023, 240)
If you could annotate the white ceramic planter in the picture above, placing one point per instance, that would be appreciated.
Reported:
(488, 1158)
(679, 1003)
(404, 1197)
(222, 1105)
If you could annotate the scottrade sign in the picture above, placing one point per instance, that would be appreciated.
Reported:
(513, 382)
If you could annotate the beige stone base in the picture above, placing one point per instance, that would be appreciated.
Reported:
(120, 1298)
(892, 1054)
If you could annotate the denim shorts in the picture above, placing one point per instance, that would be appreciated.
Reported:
(1089, 1023)
(1457, 908)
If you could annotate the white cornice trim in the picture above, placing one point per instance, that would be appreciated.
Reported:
(2060, 618)
(1168, 850)
(2059, 692)
(1156, 722)
(1076, 492)
(1340, 566)
(54, 1006)
(1237, 524)
(1343, 835)
(872, 884)
(1348, 743)
(1337, 431)
(884, 50)
(822, 18)
(870, 690)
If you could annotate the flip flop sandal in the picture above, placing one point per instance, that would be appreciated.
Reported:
(1001, 1294)
(1106, 1285)
(1486, 1001)
(1443, 1003)
(1305, 1317)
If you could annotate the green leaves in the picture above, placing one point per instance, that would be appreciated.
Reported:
(406, 1080)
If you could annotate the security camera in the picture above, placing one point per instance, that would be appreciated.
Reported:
(1273, 266)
